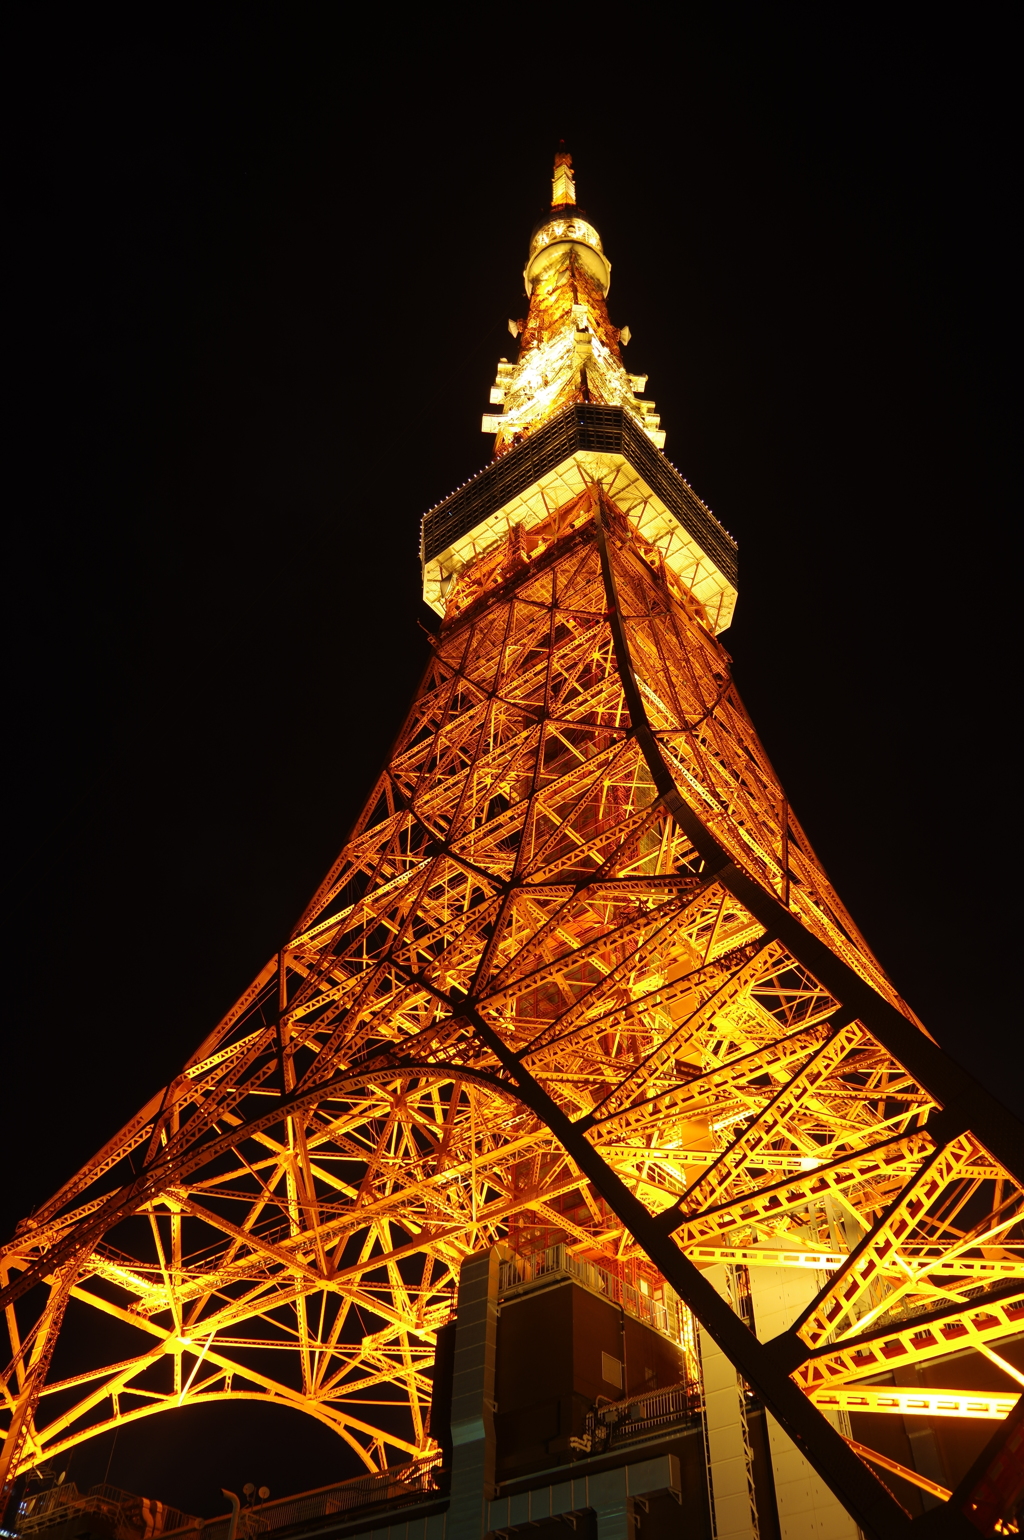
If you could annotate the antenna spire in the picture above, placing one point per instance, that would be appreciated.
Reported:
(563, 183)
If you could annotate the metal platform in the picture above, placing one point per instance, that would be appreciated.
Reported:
(582, 445)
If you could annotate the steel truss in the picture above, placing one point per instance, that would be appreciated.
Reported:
(576, 972)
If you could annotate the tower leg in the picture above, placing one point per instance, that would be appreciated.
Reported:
(24, 1409)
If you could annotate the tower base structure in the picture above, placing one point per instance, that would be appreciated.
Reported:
(566, 1399)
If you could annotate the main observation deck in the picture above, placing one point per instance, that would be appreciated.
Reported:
(584, 445)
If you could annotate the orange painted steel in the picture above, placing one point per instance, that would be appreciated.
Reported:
(576, 976)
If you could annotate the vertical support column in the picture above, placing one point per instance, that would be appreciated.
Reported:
(476, 1334)
(734, 1514)
(807, 1509)
(608, 1497)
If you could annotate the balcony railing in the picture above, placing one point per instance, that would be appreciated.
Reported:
(129, 1517)
(665, 1315)
(624, 1421)
(396, 1487)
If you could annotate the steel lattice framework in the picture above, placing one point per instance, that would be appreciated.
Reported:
(577, 973)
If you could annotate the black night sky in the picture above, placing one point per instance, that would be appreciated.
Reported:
(263, 261)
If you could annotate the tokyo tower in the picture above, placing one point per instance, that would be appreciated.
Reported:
(576, 995)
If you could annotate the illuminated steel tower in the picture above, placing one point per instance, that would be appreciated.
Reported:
(577, 980)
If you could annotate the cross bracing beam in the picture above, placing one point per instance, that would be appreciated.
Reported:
(990, 1407)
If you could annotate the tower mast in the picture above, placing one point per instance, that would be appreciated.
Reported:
(569, 350)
